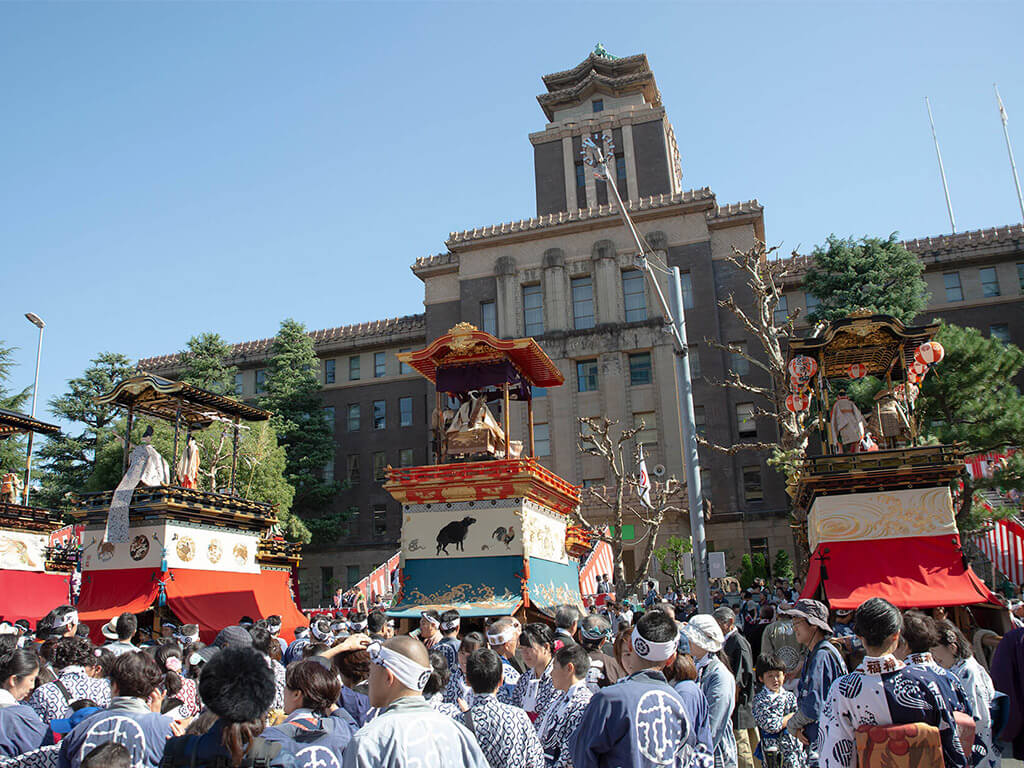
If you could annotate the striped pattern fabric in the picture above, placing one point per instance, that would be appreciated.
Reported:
(1004, 546)
(599, 561)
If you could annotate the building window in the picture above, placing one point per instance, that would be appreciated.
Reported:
(379, 414)
(353, 417)
(752, 484)
(405, 458)
(586, 375)
(581, 185)
(592, 482)
(328, 371)
(353, 368)
(352, 574)
(329, 471)
(405, 411)
(329, 417)
(634, 295)
(686, 283)
(380, 467)
(533, 310)
(620, 170)
(239, 384)
(989, 282)
(326, 581)
(781, 310)
(542, 439)
(705, 490)
(261, 380)
(737, 362)
(648, 436)
(380, 520)
(639, 369)
(380, 364)
(353, 469)
(1000, 332)
(693, 354)
(746, 424)
(954, 291)
(760, 547)
(811, 302)
(597, 105)
(402, 366)
(489, 317)
(583, 302)
(699, 420)
(1020, 276)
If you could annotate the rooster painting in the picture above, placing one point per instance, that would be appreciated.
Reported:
(504, 535)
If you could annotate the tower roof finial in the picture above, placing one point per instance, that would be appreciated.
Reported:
(599, 50)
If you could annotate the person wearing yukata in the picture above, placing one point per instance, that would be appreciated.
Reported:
(71, 657)
(430, 628)
(824, 664)
(1008, 677)
(132, 720)
(504, 732)
(120, 632)
(953, 652)
(741, 663)
(448, 645)
(883, 691)
(408, 732)
(316, 730)
(682, 675)
(534, 692)
(705, 639)
(433, 691)
(503, 639)
(640, 721)
(595, 633)
(567, 621)
(563, 717)
(458, 690)
(21, 730)
(773, 707)
(920, 634)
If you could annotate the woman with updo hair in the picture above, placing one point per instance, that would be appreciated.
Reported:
(535, 690)
(21, 730)
(437, 683)
(72, 657)
(311, 692)
(134, 681)
(170, 659)
(883, 691)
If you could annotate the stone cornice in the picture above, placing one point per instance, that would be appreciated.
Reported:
(633, 115)
(593, 62)
(642, 82)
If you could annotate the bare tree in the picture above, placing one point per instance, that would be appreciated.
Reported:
(622, 497)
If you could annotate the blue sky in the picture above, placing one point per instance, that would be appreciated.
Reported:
(169, 169)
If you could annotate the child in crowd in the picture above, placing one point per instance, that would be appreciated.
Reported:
(773, 706)
(109, 755)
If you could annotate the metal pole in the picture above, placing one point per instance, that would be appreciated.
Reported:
(234, 458)
(676, 321)
(31, 434)
(942, 171)
(1009, 150)
(691, 460)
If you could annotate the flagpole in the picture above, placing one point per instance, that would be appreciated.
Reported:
(942, 171)
(1009, 150)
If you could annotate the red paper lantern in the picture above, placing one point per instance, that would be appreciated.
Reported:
(797, 385)
(857, 371)
(918, 369)
(803, 367)
(929, 353)
(798, 402)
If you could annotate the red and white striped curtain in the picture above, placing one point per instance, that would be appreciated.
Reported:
(598, 562)
(379, 580)
(1004, 546)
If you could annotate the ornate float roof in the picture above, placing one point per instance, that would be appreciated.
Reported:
(465, 345)
(14, 423)
(165, 399)
(876, 341)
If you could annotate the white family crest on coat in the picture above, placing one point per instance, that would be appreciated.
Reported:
(120, 730)
(316, 756)
(660, 729)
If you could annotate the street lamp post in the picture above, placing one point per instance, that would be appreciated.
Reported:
(675, 318)
(37, 321)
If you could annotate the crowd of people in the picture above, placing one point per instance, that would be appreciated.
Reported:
(767, 681)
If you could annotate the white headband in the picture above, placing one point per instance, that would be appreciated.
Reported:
(66, 620)
(454, 623)
(357, 625)
(652, 651)
(502, 637)
(187, 639)
(431, 619)
(410, 674)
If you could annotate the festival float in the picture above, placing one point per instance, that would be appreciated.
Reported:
(34, 576)
(170, 549)
(484, 527)
(878, 503)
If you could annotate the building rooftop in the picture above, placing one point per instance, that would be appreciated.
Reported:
(599, 73)
(321, 338)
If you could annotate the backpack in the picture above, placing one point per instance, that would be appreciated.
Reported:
(182, 753)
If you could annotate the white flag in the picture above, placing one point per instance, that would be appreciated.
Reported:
(645, 482)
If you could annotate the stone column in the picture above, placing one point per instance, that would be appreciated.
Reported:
(570, 174)
(556, 313)
(630, 157)
(606, 283)
(507, 307)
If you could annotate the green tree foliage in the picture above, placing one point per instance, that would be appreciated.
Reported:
(746, 572)
(69, 460)
(12, 450)
(671, 557)
(205, 364)
(870, 273)
(971, 397)
(293, 395)
(760, 566)
(783, 566)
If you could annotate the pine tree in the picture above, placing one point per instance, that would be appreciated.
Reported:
(293, 396)
(746, 572)
(205, 364)
(783, 566)
(869, 273)
(12, 450)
